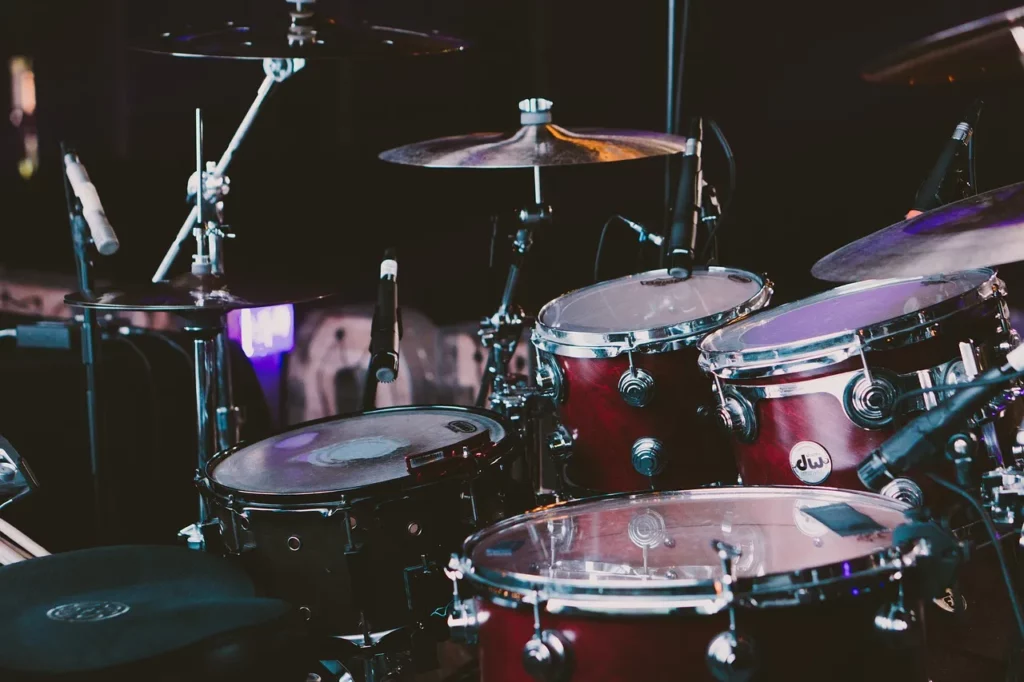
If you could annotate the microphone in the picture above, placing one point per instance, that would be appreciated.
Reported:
(644, 234)
(92, 210)
(682, 240)
(929, 194)
(928, 432)
(386, 329)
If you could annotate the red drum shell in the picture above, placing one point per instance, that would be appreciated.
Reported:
(605, 426)
(829, 641)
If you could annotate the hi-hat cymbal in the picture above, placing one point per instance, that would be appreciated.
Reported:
(320, 39)
(537, 143)
(196, 294)
(987, 49)
(981, 231)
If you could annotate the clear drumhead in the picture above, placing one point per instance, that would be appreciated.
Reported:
(850, 314)
(663, 540)
(650, 306)
(349, 452)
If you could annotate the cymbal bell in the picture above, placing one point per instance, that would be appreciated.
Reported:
(982, 231)
(317, 38)
(538, 142)
(987, 49)
(189, 294)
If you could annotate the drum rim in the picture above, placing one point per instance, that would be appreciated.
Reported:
(341, 498)
(756, 362)
(562, 595)
(609, 344)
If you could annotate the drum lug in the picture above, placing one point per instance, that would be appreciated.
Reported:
(904, 490)
(636, 386)
(547, 657)
(730, 656)
(464, 621)
(648, 457)
(869, 398)
(549, 378)
(560, 443)
(735, 414)
(896, 621)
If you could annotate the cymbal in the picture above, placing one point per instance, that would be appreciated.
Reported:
(981, 231)
(538, 142)
(987, 49)
(320, 39)
(195, 294)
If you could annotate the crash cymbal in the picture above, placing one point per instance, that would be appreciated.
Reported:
(190, 293)
(314, 37)
(981, 231)
(986, 49)
(537, 143)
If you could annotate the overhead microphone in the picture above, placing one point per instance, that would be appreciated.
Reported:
(386, 331)
(927, 433)
(929, 195)
(92, 210)
(682, 239)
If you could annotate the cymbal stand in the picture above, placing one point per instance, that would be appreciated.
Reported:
(277, 71)
(500, 333)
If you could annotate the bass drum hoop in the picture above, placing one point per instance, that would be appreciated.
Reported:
(809, 585)
(808, 354)
(610, 344)
(336, 500)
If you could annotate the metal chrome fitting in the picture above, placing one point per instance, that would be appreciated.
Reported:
(904, 490)
(549, 378)
(735, 414)
(868, 401)
(547, 657)
(648, 456)
(636, 387)
(560, 443)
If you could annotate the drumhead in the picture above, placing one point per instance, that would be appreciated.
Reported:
(604, 319)
(839, 321)
(600, 546)
(350, 452)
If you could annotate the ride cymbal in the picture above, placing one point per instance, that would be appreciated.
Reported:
(537, 143)
(981, 231)
(991, 48)
(192, 293)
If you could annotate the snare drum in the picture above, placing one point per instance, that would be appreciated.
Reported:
(347, 517)
(807, 389)
(620, 360)
(633, 588)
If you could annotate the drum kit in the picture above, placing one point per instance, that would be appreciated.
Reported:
(849, 466)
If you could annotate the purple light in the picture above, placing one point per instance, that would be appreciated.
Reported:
(855, 592)
(263, 332)
(846, 569)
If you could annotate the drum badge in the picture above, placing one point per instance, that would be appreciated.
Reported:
(810, 462)
(87, 611)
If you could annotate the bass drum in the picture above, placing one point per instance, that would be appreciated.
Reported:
(630, 587)
(352, 519)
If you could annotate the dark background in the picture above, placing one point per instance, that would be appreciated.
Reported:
(822, 157)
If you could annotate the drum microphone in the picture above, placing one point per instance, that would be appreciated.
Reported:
(928, 196)
(386, 331)
(92, 210)
(927, 433)
(682, 240)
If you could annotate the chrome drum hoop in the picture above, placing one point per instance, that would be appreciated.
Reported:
(688, 334)
(810, 585)
(824, 351)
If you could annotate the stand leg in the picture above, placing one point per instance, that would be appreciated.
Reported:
(204, 348)
(227, 414)
(90, 339)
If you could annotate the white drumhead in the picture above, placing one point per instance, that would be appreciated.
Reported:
(602, 542)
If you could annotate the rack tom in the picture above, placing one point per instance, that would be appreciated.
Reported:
(619, 359)
(630, 587)
(352, 518)
(807, 389)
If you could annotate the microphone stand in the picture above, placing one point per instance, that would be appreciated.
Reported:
(80, 240)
